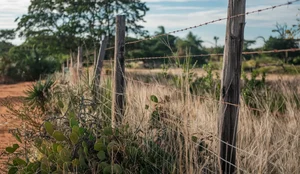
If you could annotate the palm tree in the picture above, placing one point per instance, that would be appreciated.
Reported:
(216, 38)
(190, 45)
(161, 30)
(194, 40)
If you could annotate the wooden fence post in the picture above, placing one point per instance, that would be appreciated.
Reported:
(286, 57)
(95, 58)
(71, 59)
(230, 86)
(79, 62)
(119, 73)
(98, 69)
(67, 63)
(63, 69)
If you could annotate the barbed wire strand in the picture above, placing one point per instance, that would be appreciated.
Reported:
(218, 54)
(215, 137)
(210, 22)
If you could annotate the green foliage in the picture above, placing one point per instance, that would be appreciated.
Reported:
(257, 94)
(193, 45)
(114, 151)
(7, 35)
(12, 149)
(71, 143)
(207, 84)
(83, 21)
(27, 61)
(251, 85)
(161, 46)
(39, 94)
(281, 43)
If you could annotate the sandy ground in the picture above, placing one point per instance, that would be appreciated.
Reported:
(13, 93)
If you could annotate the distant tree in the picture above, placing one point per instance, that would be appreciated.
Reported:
(191, 45)
(285, 32)
(160, 46)
(161, 30)
(216, 41)
(71, 23)
(5, 46)
(7, 35)
(274, 43)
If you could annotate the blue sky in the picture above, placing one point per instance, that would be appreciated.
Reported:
(177, 14)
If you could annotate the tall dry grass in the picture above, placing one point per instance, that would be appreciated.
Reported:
(268, 142)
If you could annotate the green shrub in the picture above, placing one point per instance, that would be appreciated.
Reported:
(79, 139)
(39, 94)
(207, 84)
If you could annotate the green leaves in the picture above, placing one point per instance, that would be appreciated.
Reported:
(101, 155)
(60, 104)
(13, 170)
(49, 128)
(19, 162)
(154, 99)
(73, 122)
(74, 137)
(115, 168)
(12, 149)
(85, 148)
(98, 146)
(108, 131)
(59, 136)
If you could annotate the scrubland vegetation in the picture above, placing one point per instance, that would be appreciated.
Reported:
(168, 127)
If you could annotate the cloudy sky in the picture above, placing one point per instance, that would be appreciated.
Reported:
(177, 14)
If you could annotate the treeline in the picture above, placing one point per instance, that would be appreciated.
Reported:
(54, 30)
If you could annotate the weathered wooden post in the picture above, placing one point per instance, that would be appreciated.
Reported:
(286, 57)
(98, 68)
(119, 73)
(230, 85)
(79, 62)
(71, 59)
(63, 69)
(95, 58)
(67, 63)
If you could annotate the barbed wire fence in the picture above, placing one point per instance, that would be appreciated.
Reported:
(179, 92)
(105, 100)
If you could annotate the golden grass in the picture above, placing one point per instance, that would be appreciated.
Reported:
(268, 143)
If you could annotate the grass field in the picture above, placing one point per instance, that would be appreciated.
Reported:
(186, 124)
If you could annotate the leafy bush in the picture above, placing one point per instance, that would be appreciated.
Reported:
(79, 138)
(207, 84)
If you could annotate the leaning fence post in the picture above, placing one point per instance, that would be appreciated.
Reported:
(119, 72)
(98, 68)
(230, 86)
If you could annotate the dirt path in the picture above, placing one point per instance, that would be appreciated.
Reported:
(13, 93)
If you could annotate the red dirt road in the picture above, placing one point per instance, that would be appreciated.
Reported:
(11, 92)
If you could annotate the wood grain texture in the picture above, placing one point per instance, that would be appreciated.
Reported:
(230, 86)
(119, 72)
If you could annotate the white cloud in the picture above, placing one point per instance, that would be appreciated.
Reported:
(176, 17)
(183, 20)
(10, 10)
(172, 0)
(164, 8)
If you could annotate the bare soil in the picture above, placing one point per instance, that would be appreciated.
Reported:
(13, 93)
